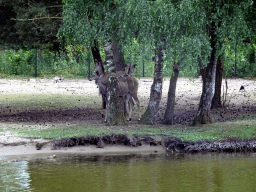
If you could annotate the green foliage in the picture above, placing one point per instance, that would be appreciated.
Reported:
(16, 62)
(135, 53)
(85, 21)
(181, 25)
(23, 63)
(245, 57)
(184, 27)
(30, 24)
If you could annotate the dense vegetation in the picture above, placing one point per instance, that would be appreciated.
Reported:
(25, 28)
(21, 63)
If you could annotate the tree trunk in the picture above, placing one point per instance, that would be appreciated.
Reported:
(96, 51)
(118, 55)
(96, 56)
(216, 101)
(149, 117)
(203, 116)
(115, 114)
(119, 64)
(169, 112)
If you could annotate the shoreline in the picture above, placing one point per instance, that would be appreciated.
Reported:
(117, 144)
(29, 151)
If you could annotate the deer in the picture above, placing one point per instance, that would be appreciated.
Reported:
(127, 86)
(130, 69)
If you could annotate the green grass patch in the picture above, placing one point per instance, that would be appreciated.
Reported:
(25, 102)
(245, 129)
(65, 132)
(96, 130)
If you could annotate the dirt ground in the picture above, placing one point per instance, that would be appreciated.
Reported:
(28, 151)
(242, 105)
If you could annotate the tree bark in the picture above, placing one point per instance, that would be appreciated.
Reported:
(96, 56)
(169, 112)
(216, 101)
(115, 114)
(149, 117)
(119, 64)
(118, 55)
(208, 76)
(96, 51)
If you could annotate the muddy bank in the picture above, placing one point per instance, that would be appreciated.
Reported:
(170, 144)
(120, 144)
(173, 144)
(104, 140)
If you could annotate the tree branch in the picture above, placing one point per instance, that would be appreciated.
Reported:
(36, 18)
(59, 6)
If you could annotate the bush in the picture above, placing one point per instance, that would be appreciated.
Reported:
(15, 62)
(25, 62)
(75, 62)
(245, 57)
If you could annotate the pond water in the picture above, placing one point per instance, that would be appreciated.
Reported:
(132, 172)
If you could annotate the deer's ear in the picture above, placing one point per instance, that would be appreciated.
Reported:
(134, 65)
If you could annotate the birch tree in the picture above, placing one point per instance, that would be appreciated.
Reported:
(219, 24)
(163, 23)
(92, 21)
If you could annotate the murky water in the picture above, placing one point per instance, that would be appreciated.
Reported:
(151, 172)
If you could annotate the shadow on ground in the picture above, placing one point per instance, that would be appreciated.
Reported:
(184, 117)
(52, 116)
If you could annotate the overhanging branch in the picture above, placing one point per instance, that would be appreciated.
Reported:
(40, 18)
(53, 6)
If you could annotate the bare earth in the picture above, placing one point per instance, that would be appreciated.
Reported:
(242, 105)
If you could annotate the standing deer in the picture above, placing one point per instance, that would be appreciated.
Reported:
(131, 80)
(130, 69)
(127, 86)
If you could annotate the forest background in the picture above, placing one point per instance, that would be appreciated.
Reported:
(30, 47)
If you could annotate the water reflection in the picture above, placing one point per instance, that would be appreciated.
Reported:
(155, 172)
(14, 176)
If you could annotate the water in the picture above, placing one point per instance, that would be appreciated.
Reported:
(148, 172)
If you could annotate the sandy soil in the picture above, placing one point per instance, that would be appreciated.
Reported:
(28, 151)
(242, 103)
(187, 98)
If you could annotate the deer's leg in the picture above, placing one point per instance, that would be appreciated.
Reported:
(127, 105)
(131, 105)
(103, 106)
(135, 97)
(106, 114)
(106, 110)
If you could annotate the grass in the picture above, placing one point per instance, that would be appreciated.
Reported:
(10, 103)
(242, 129)
(245, 129)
